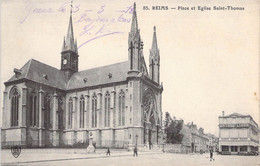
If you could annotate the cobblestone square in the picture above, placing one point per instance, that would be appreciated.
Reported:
(121, 157)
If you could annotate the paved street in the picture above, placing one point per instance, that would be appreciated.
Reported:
(78, 157)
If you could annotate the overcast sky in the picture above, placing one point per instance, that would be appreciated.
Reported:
(209, 59)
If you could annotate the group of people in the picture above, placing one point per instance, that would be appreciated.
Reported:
(135, 152)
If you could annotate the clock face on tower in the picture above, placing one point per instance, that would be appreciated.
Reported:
(69, 61)
(65, 61)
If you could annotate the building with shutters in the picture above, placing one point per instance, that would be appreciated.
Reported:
(238, 134)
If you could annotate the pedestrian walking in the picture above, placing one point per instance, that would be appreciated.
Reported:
(108, 151)
(211, 155)
(135, 152)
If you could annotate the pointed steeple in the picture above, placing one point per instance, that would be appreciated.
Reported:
(134, 44)
(70, 36)
(154, 59)
(69, 53)
(134, 26)
(154, 44)
(69, 43)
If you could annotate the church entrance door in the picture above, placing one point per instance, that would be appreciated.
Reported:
(151, 119)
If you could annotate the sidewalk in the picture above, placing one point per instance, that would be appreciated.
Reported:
(44, 155)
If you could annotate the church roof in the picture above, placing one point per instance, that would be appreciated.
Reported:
(98, 76)
(39, 72)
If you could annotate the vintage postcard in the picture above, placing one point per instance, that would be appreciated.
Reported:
(173, 82)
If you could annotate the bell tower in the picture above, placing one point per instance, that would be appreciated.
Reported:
(69, 52)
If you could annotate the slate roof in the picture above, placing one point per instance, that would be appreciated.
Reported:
(34, 70)
(100, 75)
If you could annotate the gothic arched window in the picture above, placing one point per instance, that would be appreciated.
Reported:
(107, 109)
(149, 104)
(121, 108)
(94, 110)
(33, 109)
(149, 111)
(14, 107)
(60, 113)
(70, 113)
(81, 110)
(47, 108)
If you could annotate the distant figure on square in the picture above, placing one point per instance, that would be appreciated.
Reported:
(108, 151)
(135, 152)
(211, 154)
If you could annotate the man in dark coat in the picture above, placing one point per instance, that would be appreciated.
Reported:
(211, 154)
(108, 151)
(135, 152)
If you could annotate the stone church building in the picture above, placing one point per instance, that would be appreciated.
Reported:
(119, 105)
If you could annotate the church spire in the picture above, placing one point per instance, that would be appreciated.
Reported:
(69, 43)
(134, 44)
(134, 26)
(154, 44)
(154, 59)
(69, 53)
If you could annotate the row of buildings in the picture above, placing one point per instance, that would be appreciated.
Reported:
(238, 134)
(195, 140)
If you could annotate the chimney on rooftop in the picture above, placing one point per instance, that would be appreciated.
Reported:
(223, 113)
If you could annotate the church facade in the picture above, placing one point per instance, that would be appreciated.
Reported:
(119, 105)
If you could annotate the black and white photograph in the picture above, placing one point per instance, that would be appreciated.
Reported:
(158, 83)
